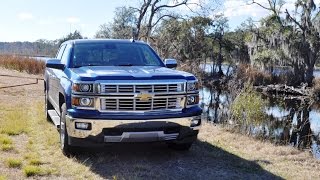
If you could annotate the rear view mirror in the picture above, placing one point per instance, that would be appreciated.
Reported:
(170, 63)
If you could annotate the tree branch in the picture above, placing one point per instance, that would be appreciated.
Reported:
(264, 7)
(163, 16)
(294, 20)
(171, 6)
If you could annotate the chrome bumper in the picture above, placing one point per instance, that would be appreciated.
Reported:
(97, 127)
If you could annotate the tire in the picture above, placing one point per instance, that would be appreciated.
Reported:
(47, 106)
(67, 150)
(180, 146)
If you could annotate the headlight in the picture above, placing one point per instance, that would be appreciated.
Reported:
(192, 86)
(83, 102)
(193, 100)
(84, 88)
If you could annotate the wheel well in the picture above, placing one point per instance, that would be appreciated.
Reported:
(61, 100)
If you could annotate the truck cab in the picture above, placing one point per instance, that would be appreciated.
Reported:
(119, 91)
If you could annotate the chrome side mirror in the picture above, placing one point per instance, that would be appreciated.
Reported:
(170, 63)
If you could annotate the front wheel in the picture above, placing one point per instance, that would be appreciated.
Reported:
(65, 147)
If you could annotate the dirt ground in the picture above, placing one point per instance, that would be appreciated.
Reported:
(218, 154)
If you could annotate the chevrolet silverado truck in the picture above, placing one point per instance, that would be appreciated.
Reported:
(119, 91)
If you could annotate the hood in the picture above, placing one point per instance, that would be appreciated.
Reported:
(92, 73)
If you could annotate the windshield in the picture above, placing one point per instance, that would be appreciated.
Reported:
(114, 54)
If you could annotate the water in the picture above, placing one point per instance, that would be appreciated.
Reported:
(289, 121)
(41, 58)
(229, 69)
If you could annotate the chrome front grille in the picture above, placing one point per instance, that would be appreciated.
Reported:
(142, 95)
(157, 88)
(124, 104)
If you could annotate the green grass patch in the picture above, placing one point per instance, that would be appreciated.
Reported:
(33, 171)
(5, 139)
(13, 163)
(14, 122)
(2, 177)
(35, 162)
(6, 147)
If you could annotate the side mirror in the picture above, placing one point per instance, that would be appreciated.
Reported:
(55, 64)
(170, 63)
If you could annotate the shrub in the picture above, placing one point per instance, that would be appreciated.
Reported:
(249, 107)
(22, 64)
(316, 88)
(247, 73)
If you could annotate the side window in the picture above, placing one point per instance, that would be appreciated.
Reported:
(60, 52)
(66, 54)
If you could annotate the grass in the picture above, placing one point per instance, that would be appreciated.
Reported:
(2, 177)
(35, 162)
(31, 170)
(5, 139)
(14, 122)
(7, 147)
(13, 163)
(22, 64)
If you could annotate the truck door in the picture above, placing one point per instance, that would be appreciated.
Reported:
(52, 78)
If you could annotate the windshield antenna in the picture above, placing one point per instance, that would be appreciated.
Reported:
(134, 33)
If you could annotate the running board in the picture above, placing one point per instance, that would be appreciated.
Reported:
(55, 118)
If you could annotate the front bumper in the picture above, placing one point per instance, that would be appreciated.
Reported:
(105, 131)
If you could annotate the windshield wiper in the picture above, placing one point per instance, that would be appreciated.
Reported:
(124, 64)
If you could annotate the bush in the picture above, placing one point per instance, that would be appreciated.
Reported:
(22, 64)
(247, 73)
(249, 107)
(316, 88)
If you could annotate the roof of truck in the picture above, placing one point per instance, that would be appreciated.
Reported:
(84, 41)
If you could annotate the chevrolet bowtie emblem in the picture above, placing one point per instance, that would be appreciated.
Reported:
(144, 96)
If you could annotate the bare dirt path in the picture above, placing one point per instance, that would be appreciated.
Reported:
(217, 154)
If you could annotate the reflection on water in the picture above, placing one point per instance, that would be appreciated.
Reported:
(227, 70)
(288, 122)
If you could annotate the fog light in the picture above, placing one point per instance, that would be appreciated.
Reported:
(195, 122)
(83, 126)
(192, 100)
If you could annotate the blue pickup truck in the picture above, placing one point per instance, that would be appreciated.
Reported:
(117, 91)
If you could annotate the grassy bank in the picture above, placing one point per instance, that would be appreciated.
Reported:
(22, 64)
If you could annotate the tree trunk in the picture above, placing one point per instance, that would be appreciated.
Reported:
(220, 72)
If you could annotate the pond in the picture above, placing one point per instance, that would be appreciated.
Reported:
(288, 121)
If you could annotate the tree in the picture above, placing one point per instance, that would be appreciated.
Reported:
(294, 38)
(138, 22)
(75, 35)
(121, 27)
(103, 32)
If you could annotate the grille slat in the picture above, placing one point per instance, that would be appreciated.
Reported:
(106, 88)
(136, 104)
(119, 100)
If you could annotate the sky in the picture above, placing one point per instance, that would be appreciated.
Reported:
(30, 20)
